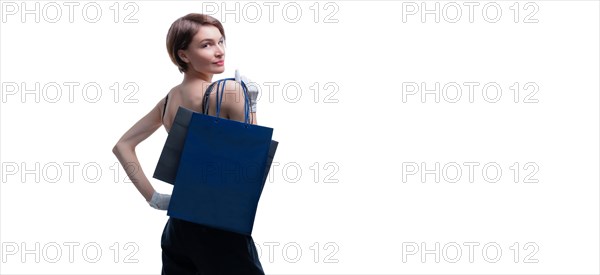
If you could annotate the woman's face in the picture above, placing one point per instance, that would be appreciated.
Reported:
(206, 52)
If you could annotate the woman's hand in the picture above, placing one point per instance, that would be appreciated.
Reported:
(252, 89)
(160, 201)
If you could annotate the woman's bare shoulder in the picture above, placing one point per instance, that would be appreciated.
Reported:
(188, 94)
(233, 88)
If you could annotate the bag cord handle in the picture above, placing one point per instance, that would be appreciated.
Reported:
(220, 91)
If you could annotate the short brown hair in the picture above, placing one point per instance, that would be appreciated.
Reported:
(183, 30)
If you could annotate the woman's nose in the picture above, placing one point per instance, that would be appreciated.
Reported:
(220, 50)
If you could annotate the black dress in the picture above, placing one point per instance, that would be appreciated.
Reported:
(194, 249)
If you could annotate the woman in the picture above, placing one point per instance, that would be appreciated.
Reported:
(196, 45)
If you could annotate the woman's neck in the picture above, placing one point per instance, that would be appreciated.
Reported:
(192, 76)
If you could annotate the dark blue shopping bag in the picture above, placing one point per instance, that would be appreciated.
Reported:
(222, 169)
(168, 163)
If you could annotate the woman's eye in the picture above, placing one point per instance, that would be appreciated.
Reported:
(208, 44)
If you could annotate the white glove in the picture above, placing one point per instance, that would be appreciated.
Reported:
(252, 89)
(160, 201)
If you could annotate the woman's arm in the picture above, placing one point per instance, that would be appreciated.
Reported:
(124, 150)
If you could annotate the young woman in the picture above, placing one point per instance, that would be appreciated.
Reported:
(196, 45)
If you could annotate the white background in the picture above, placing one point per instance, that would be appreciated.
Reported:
(360, 222)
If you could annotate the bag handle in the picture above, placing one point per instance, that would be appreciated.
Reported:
(220, 91)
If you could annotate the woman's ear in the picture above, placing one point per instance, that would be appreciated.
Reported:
(183, 56)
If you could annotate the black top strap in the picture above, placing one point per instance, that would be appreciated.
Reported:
(206, 96)
(165, 108)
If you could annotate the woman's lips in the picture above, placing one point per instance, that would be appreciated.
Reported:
(220, 63)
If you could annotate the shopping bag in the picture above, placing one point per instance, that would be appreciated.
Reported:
(168, 162)
(222, 169)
